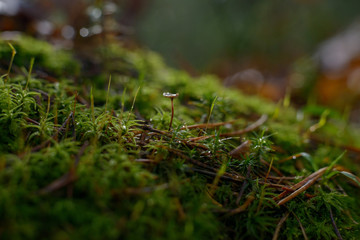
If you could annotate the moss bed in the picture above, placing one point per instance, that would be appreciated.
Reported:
(90, 155)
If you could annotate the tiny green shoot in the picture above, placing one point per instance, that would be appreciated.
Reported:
(210, 112)
(13, 52)
(29, 73)
(133, 103)
(107, 94)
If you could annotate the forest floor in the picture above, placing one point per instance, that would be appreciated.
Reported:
(120, 146)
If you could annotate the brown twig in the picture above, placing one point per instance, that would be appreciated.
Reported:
(279, 225)
(283, 178)
(43, 94)
(32, 121)
(68, 177)
(301, 183)
(308, 184)
(337, 232)
(145, 160)
(243, 207)
(214, 174)
(240, 151)
(250, 128)
(209, 125)
(301, 226)
(243, 185)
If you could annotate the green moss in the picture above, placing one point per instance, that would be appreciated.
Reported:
(46, 57)
(70, 169)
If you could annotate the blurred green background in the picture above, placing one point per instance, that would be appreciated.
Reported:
(261, 47)
(205, 35)
(268, 34)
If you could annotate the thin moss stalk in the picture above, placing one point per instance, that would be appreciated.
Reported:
(29, 73)
(171, 96)
(13, 53)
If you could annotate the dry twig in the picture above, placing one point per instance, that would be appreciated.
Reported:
(250, 128)
(278, 226)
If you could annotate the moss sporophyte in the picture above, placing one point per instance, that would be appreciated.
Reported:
(230, 173)
(171, 96)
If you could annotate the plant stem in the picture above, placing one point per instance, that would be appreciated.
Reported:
(334, 225)
(29, 73)
(172, 113)
(107, 94)
(13, 52)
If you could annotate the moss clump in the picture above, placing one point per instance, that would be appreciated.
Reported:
(46, 57)
(96, 160)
